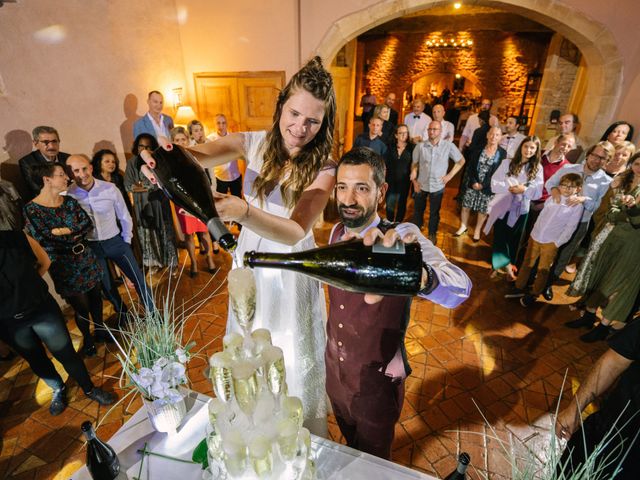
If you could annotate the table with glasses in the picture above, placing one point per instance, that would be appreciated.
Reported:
(333, 461)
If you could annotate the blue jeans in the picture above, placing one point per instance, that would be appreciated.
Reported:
(420, 204)
(120, 253)
(45, 324)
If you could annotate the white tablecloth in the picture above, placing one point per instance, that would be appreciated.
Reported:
(333, 461)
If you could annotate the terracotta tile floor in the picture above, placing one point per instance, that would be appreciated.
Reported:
(483, 374)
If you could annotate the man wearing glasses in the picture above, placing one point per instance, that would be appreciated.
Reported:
(595, 185)
(47, 143)
(429, 175)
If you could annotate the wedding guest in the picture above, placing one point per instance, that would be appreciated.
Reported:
(196, 132)
(10, 207)
(553, 228)
(105, 167)
(110, 237)
(477, 190)
(515, 184)
(607, 438)
(61, 226)
(372, 139)
(398, 162)
(365, 354)
(31, 319)
(189, 224)
(595, 185)
(617, 133)
(512, 138)
(618, 163)
(288, 183)
(610, 284)
(152, 211)
(430, 177)
(154, 123)
(46, 142)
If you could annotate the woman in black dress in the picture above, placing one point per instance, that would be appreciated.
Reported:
(398, 160)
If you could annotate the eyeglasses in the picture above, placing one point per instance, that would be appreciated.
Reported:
(433, 129)
(49, 142)
(59, 175)
(599, 157)
(145, 147)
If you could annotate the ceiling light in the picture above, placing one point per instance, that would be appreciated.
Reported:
(457, 5)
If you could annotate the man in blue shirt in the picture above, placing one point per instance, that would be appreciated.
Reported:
(372, 139)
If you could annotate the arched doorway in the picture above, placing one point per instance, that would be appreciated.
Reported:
(596, 43)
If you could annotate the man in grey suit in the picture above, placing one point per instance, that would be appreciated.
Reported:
(154, 122)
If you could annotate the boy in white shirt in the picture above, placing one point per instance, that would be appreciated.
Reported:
(553, 228)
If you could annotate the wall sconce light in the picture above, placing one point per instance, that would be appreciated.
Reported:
(458, 76)
(449, 41)
(457, 5)
(177, 97)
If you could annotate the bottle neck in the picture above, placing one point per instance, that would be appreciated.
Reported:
(89, 434)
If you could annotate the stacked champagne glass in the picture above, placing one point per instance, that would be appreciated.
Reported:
(255, 428)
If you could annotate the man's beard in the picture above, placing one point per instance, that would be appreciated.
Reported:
(358, 221)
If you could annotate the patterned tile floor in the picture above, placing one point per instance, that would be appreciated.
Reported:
(484, 376)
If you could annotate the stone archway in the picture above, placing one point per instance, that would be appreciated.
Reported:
(596, 43)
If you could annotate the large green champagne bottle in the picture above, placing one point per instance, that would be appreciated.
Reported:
(352, 266)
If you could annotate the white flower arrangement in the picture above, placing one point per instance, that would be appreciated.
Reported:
(153, 350)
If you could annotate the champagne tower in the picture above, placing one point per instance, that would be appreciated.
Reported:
(255, 429)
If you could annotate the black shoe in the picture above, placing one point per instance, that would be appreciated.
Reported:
(597, 334)
(193, 273)
(58, 401)
(547, 294)
(89, 349)
(527, 301)
(100, 396)
(514, 292)
(585, 321)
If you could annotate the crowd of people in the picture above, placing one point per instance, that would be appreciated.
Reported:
(543, 205)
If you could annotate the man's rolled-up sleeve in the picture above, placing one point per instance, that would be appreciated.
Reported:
(453, 286)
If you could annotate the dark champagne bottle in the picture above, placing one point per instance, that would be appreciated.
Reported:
(460, 472)
(352, 266)
(185, 182)
(102, 461)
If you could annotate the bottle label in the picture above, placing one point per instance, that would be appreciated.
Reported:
(397, 248)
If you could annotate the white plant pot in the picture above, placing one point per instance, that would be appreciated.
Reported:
(165, 418)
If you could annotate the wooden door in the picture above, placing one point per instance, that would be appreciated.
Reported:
(247, 99)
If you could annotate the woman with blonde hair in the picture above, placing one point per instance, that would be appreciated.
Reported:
(288, 181)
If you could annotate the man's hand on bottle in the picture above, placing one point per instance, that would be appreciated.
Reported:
(388, 239)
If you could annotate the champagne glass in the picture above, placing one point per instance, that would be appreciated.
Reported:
(261, 338)
(235, 454)
(287, 439)
(220, 415)
(242, 297)
(261, 456)
(245, 387)
(275, 372)
(292, 407)
(214, 443)
(232, 343)
(221, 378)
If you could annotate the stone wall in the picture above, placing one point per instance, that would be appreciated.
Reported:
(497, 63)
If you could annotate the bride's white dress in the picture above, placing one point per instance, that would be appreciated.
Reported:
(292, 306)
